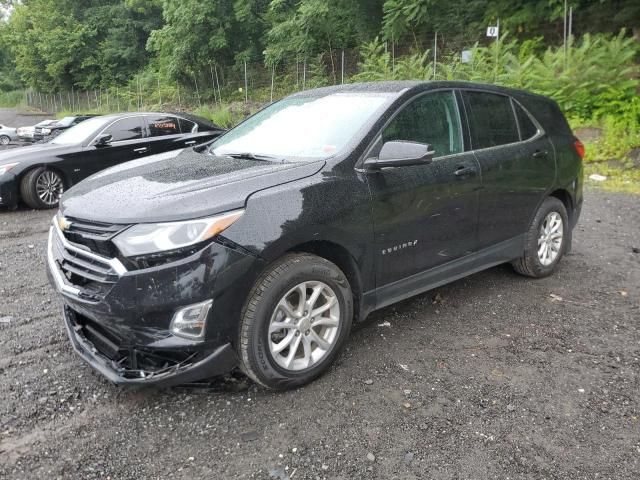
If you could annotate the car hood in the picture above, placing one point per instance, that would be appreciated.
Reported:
(33, 152)
(177, 185)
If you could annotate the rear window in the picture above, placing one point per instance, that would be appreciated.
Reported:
(491, 120)
(163, 125)
(527, 128)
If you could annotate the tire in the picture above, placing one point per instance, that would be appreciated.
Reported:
(36, 179)
(536, 263)
(4, 140)
(264, 309)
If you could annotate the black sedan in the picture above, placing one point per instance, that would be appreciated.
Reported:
(39, 174)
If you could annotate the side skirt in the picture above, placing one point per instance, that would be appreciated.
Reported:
(421, 282)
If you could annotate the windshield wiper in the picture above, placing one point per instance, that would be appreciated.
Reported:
(251, 156)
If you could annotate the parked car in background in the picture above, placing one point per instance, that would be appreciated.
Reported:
(7, 135)
(26, 134)
(38, 174)
(52, 130)
(317, 210)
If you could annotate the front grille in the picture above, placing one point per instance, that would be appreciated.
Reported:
(94, 235)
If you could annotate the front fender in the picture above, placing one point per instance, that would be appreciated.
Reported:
(320, 208)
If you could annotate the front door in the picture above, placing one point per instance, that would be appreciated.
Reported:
(425, 215)
(128, 142)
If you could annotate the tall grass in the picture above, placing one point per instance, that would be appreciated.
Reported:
(12, 99)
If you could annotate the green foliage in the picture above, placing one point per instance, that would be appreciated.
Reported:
(11, 99)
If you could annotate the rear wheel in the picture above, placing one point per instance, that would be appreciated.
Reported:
(4, 140)
(41, 188)
(295, 322)
(546, 240)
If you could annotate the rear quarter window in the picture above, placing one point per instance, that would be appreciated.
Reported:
(491, 119)
(528, 129)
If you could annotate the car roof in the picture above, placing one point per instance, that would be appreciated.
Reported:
(399, 87)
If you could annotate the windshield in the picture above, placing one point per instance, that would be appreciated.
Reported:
(81, 132)
(66, 121)
(301, 128)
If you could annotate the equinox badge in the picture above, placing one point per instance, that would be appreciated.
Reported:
(401, 246)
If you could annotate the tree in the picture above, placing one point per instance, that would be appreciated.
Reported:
(197, 33)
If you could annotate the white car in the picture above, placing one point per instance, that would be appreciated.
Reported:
(7, 135)
(26, 134)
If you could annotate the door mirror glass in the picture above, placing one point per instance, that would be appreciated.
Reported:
(104, 140)
(400, 154)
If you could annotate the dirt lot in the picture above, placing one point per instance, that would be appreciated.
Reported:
(494, 376)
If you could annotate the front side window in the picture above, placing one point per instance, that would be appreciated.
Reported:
(160, 126)
(432, 119)
(303, 127)
(125, 129)
(491, 120)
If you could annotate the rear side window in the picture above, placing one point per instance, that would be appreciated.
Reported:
(163, 125)
(491, 119)
(187, 126)
(432, 119)
(126, 129)
(527, 127)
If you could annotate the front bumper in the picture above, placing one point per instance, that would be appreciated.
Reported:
(122, 329)
(221, 360)
(8, 190)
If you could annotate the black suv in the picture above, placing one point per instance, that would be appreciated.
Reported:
(47, 132)
(262, 250)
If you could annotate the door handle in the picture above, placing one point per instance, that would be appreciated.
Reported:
(540, 154)
(464, 171)
(190, 142)
(141, 149)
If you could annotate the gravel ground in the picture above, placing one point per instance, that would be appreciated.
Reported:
(493, 376)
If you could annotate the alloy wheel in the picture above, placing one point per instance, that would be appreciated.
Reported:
(49, 187)
(304, 326)
(550, 238)
(4, 140)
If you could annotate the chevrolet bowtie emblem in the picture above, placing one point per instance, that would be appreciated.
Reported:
(63, 223)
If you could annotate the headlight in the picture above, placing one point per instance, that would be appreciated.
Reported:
(46, 131)
(5, 168)
(148, 238)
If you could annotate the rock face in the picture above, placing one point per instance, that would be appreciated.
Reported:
(588, 134)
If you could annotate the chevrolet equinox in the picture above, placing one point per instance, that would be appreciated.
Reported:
(260, 250)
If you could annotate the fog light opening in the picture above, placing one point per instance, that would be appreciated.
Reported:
(190, 321)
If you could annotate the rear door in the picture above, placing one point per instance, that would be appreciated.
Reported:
(425, 215)
(517, 163)
(164, 133)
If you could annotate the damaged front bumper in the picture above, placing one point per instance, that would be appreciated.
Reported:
(119, 319)
(130, 369)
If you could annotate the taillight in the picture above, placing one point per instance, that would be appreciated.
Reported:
(579, 146)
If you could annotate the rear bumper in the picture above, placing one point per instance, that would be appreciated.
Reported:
(221, 360)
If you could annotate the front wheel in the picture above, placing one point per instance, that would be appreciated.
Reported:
(546, 240)
(295, 322)
(4, 140)
(41, 188)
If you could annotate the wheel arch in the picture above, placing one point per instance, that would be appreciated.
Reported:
(565, 197)
(343, 259)
(65, 178)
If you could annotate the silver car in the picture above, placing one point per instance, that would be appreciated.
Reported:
(7, 135)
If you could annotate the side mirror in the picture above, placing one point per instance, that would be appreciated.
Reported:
(103, 140)
(401, 154)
